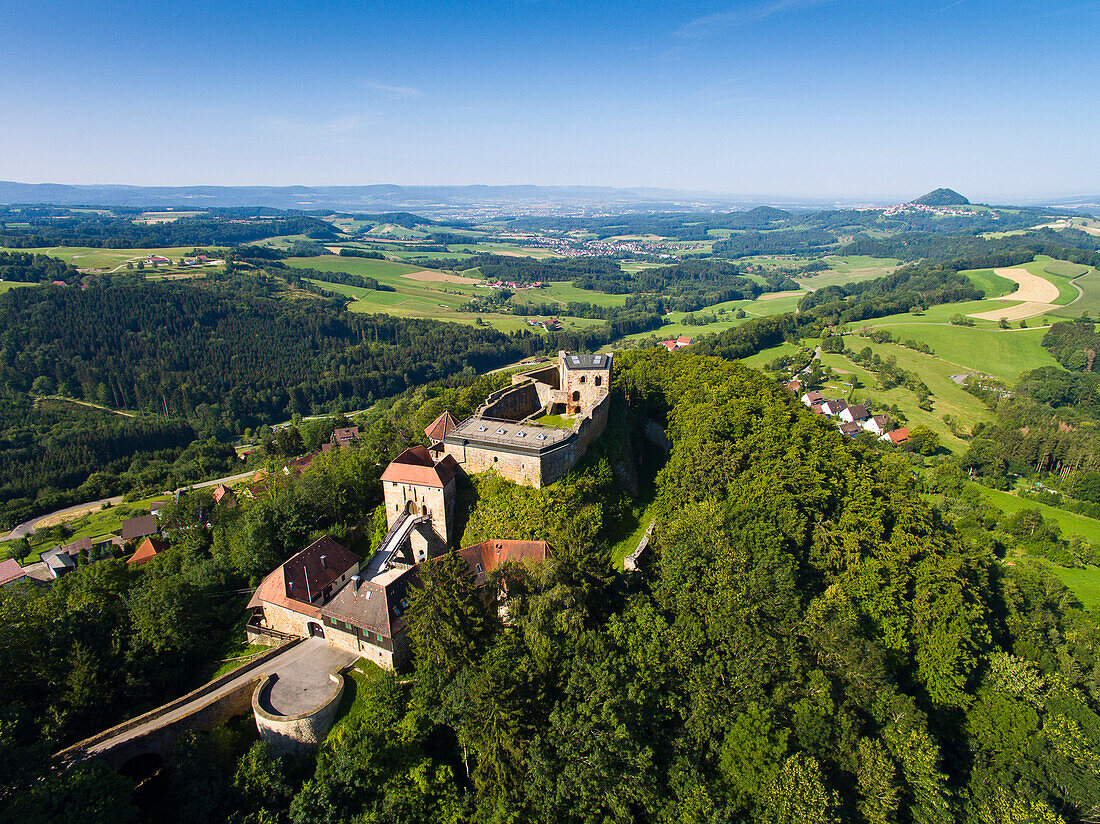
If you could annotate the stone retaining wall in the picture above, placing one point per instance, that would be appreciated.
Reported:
(294, 734)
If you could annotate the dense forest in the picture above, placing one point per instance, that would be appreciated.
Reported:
(55, 453)
(227, 352)
(24, 267)
(31, 227)
(808, 641)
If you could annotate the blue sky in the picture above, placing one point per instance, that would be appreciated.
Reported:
(842, 99)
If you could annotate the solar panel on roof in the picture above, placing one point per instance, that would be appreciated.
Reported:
(596, 360)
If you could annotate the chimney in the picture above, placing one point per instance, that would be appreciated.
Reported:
(323, 564)
(355, 579)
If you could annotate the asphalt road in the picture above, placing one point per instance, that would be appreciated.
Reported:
(27, 527)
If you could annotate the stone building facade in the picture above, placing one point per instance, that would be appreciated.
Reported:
(416, 484)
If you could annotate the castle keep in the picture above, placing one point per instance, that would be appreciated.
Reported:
(507, 435)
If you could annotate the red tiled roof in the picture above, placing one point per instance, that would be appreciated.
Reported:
(683, 340)
(221, 491)
(441, 427)
(147, 550)
(10, 571)
(900, 435)
(415, 466)
(305, 575)
(298, 465)
(483, 558)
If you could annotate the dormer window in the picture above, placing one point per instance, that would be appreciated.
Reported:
(480, 569)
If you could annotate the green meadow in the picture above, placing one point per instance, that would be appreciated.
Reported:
(1002, 353)
(88, 257)
(1089, 301)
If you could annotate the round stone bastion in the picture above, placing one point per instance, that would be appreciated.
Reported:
(293, 718)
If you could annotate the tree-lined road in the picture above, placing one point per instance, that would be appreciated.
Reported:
(27, 527)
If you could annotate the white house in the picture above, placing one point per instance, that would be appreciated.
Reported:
(855, 413)
(879, 424)
(834, 408)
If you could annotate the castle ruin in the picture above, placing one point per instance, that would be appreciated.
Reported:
(535, 430)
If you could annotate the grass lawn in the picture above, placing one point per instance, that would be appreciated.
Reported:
(353, 703)
(557, 421)
(1084, 583)
(1070, 522)
(758, 360)
(5, 285)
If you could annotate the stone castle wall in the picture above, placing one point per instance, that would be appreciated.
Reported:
(514, 403)
(518, 467)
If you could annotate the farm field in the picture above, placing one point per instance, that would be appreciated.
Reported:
(564, 292)
(419, 302)
(849, 269)
(88, 257)
(6, 285)
(990, 282)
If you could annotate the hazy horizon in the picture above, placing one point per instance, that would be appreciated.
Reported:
(844, 100)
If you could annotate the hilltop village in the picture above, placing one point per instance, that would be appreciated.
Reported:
(532, 433)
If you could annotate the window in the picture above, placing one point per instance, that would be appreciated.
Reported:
(378, 635)
(582, 378)
(599, 380)
(576, 396)
(480, 568)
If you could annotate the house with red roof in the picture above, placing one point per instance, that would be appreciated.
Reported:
(147, 550)
(896, 436)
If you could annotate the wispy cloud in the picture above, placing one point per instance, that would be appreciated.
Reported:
(723, 21)
(397, 92)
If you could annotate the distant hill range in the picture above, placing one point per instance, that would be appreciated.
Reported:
(942, 197)
(444, 201)
(382, 197)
